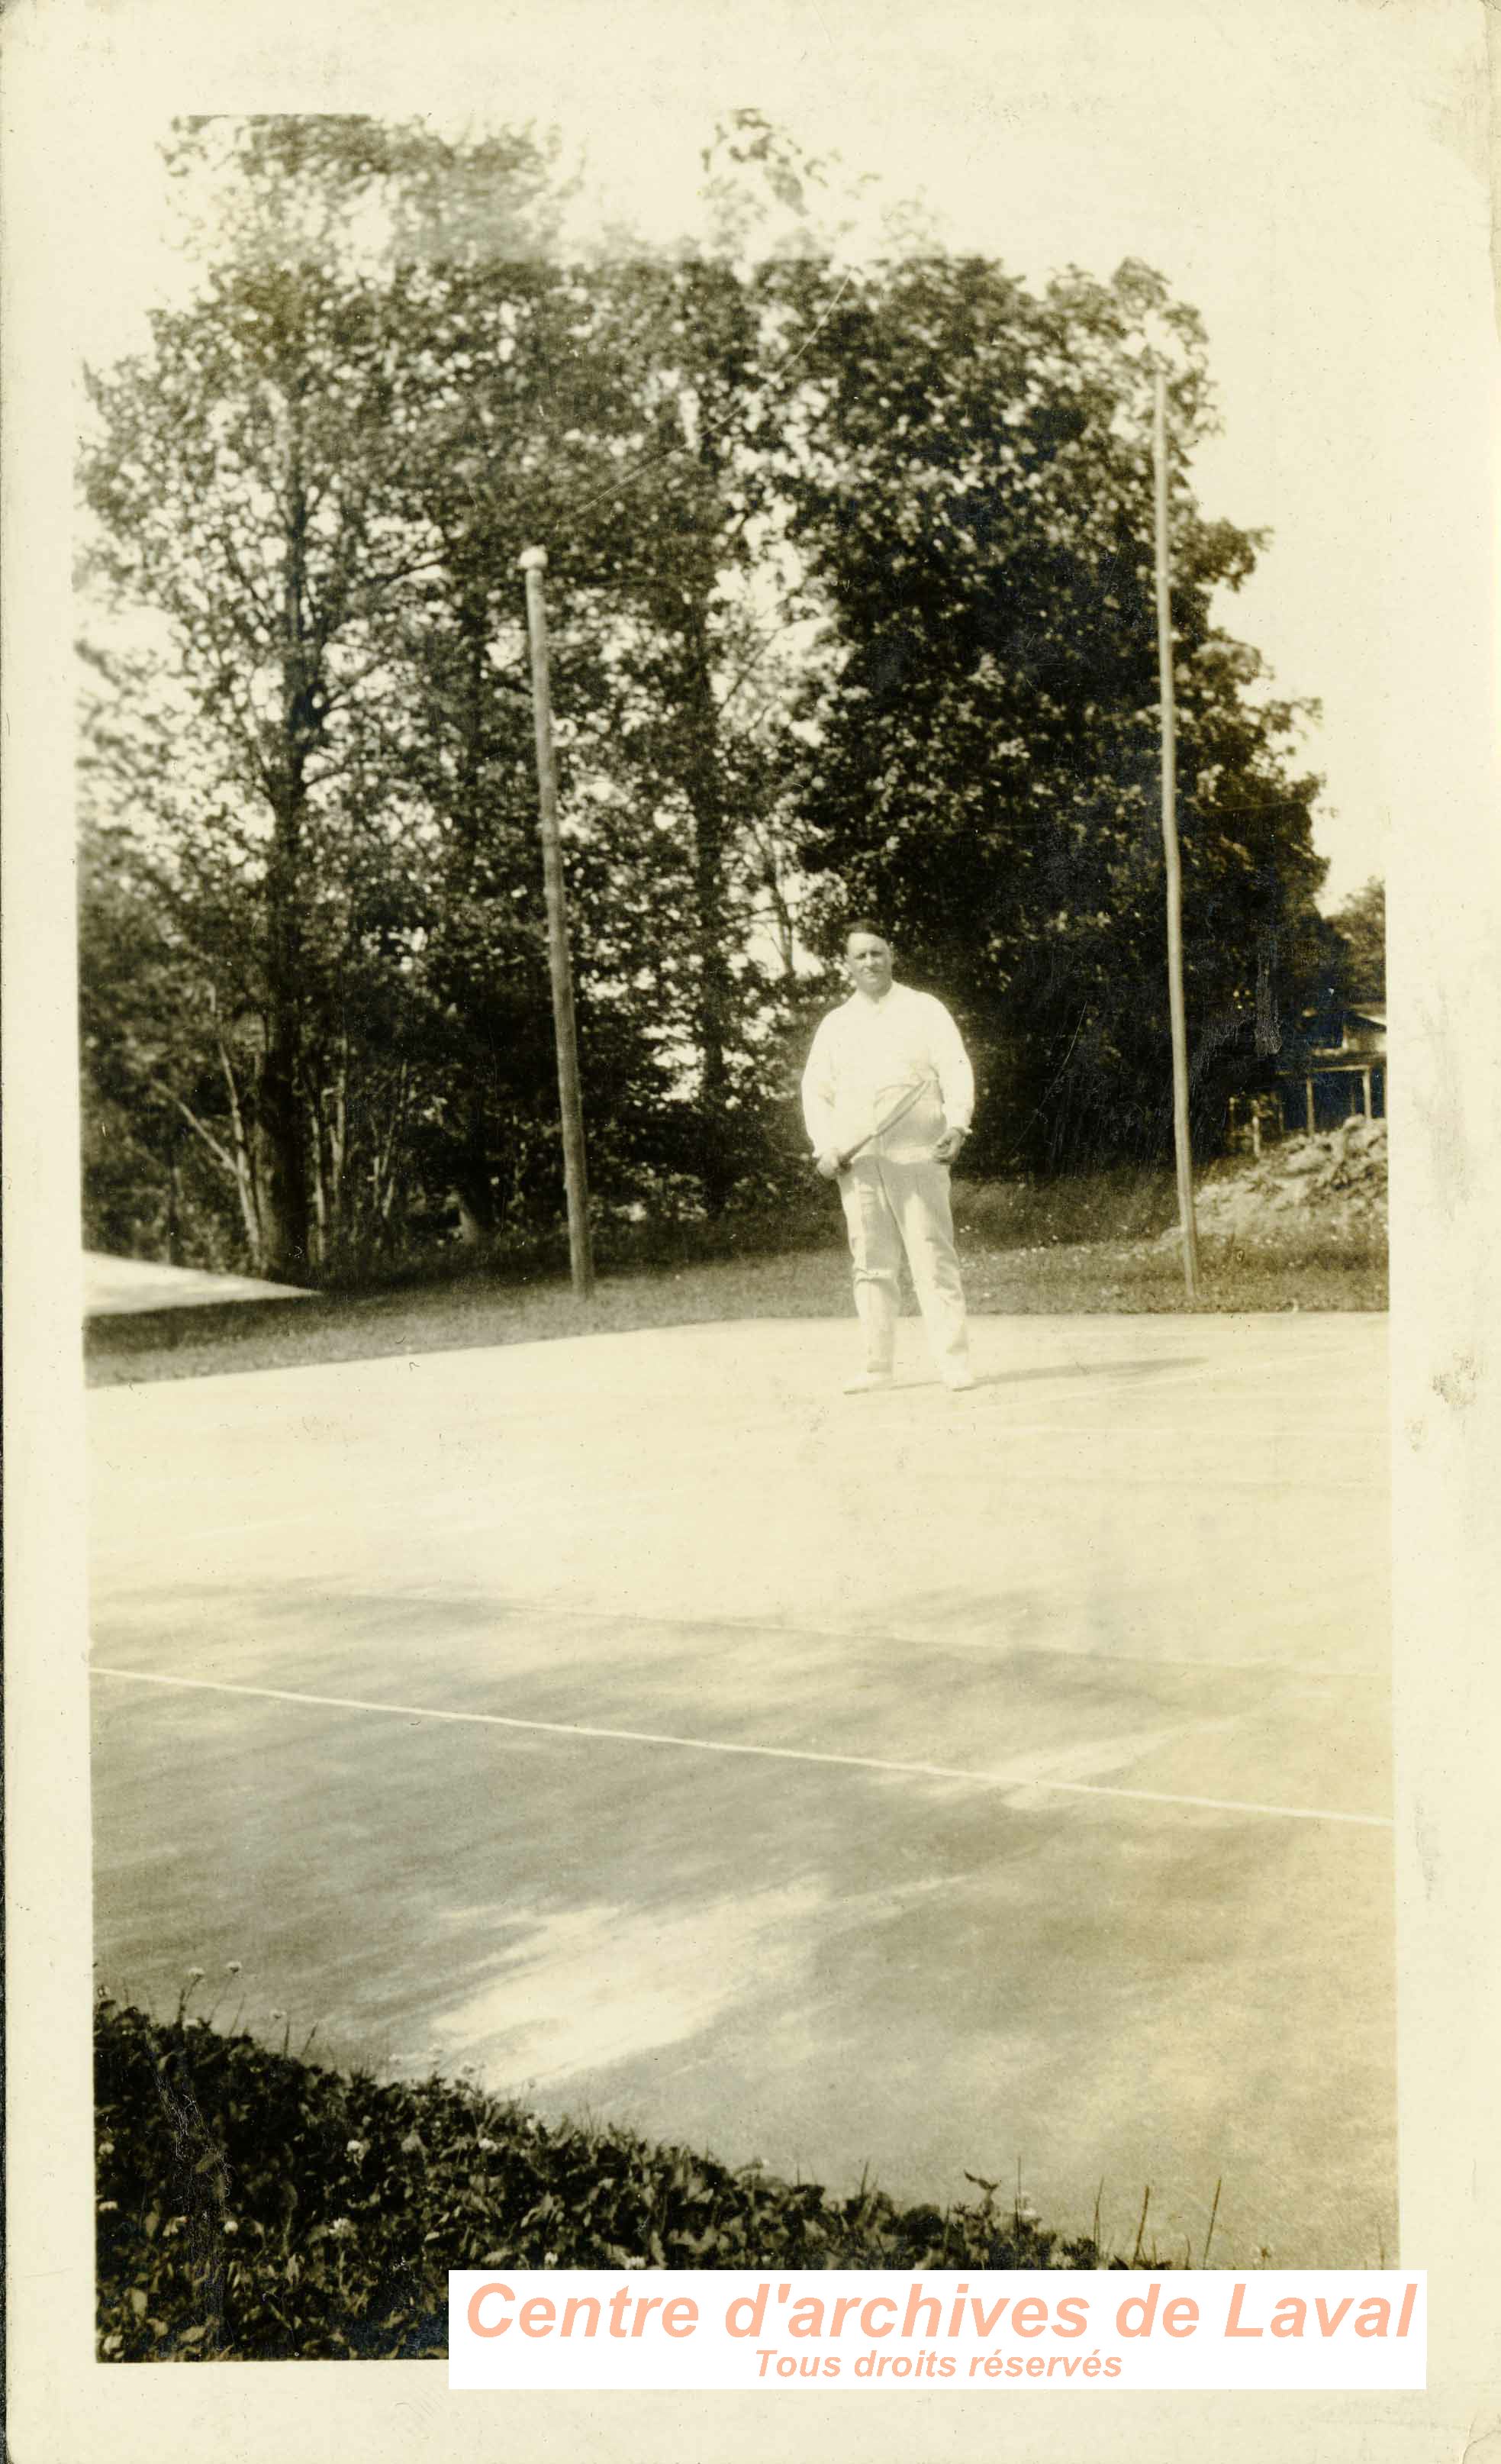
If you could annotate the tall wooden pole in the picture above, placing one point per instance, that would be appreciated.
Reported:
(1182, 1142)
(534, 564)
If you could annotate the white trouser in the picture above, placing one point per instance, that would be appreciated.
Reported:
(889, 1207)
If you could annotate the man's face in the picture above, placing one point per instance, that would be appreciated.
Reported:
(868, 959)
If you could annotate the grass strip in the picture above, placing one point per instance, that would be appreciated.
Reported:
(484, 1305)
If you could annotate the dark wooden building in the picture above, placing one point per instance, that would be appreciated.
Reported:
(1322, 1082)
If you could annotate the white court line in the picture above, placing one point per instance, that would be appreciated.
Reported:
(714, 1746)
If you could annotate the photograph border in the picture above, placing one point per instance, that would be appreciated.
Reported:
(67, 61)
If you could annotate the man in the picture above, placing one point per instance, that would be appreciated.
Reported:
(889, 1061)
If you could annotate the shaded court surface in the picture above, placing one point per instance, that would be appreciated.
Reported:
(912, 1782)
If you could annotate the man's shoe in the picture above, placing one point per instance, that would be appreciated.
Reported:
(870, 1381)
(958, 1381)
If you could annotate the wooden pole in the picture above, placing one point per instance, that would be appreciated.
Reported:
(534, 564)
(1182, 1141)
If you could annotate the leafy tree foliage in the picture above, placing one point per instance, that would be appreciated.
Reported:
(318, 482)
(249, 487)
(850, 585)
(1362, 926)
(970, 466)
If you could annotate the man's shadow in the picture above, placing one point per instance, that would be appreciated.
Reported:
(1083, 1368)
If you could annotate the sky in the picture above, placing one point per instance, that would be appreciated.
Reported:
(1293, 169)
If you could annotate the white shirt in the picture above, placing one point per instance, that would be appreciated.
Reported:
(864, 1053)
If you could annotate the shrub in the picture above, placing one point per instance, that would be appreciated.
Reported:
(256, 2206)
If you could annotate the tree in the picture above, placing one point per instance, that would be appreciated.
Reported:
(970, 473)
(698, 596)
(325, 784)
(162, 1169)
(1361, 925)
(247, 484)
(684, 599)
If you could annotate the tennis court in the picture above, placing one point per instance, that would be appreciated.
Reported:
(910, 1782)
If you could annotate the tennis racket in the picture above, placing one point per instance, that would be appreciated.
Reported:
(892, 1105)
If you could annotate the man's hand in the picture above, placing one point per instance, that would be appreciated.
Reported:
(828, 1164)
(948, 1145)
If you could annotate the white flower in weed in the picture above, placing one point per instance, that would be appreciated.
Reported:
(109, 2206)
(342, 2228)
(195, 1976)
(277, 2014)
(486, 2146)
(231, 2226)
(232, 1967)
